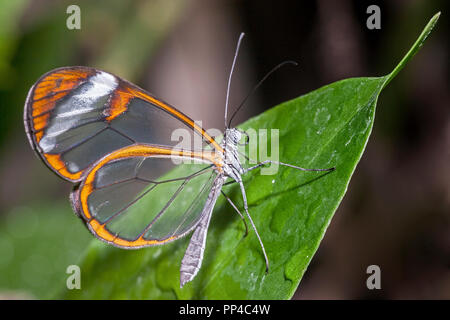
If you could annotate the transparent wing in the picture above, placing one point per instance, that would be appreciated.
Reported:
(128, 204)
(76, 115)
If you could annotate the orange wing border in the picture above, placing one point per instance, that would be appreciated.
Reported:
(41, 99)
(80, 194)
(56, 84)
(127, 90)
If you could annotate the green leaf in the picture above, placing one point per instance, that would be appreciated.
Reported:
(292, 210)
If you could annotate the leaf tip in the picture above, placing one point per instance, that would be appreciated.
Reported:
(414, 49)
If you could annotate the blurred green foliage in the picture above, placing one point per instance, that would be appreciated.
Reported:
(37, 243)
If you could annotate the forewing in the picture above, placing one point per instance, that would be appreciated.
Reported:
(76, 115)
(126, 203)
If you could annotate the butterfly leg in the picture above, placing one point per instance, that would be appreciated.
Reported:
(286, 165)
(244, 198)
(238, 212)
(260, 164)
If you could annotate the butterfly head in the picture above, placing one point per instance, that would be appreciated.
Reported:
(232, 136)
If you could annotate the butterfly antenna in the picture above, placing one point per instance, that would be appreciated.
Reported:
(229, 77)
(258, 85)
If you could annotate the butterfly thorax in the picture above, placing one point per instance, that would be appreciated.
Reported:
(231, 164)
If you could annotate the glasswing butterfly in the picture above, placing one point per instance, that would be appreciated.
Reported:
(112, 140)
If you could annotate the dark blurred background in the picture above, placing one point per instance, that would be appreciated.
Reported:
(396, 211)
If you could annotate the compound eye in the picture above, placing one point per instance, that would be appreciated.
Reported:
(247, 138)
